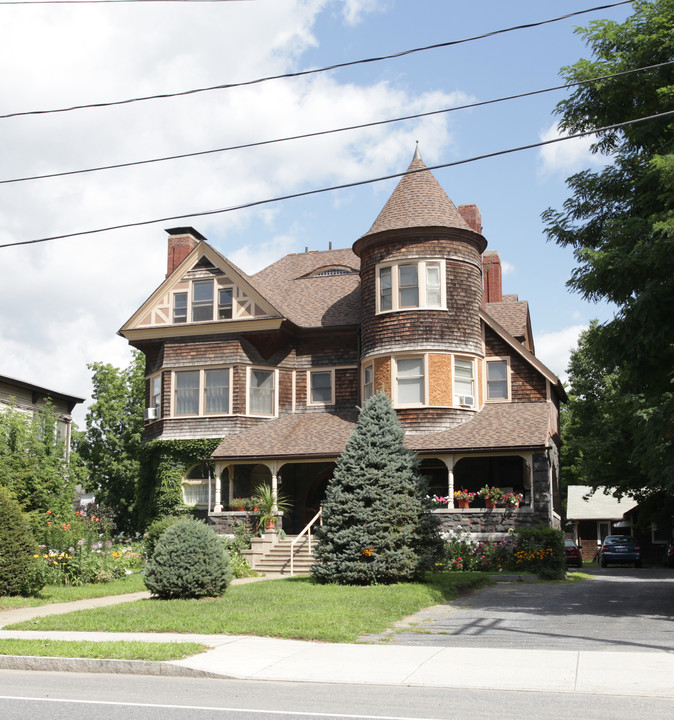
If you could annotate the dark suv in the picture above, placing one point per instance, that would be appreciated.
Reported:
(619, 549)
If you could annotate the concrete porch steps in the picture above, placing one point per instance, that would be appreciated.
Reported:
(267, 556)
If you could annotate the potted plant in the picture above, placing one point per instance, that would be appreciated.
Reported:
(270, 507)
(253, 504)
(238, 504)
(463, 498)
(513, 499)
(491, 496)
(439, 501)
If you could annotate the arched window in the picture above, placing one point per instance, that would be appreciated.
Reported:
(195, 486)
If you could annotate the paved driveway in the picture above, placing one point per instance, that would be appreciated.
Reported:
(618, 609)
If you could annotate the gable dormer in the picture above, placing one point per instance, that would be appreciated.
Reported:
(204, 293)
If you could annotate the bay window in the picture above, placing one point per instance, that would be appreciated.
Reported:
(202, 392)
(410, 285)
(464, 382)
(368, 381)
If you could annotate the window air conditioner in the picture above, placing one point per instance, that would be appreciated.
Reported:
(150, 414)
(466, 400)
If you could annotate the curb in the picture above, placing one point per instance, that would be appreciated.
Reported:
(99, 665)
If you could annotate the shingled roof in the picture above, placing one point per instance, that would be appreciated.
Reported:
(513, 315)
(500, 426)
(307, 300)
(418, 201)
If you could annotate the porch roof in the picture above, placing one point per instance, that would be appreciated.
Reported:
(507, 426)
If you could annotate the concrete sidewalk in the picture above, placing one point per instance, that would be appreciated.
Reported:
(256, 658)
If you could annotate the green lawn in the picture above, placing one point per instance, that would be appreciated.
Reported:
(290, 608)
(59, 593)
(127, 650)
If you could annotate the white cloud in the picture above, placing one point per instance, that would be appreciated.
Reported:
(567, 156)
(554, 348)
(507, 268)
(61, 303)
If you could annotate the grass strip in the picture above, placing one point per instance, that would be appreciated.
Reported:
(65, 593)
(294, 608)
(117, 650)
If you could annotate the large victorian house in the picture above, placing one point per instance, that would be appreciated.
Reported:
(275, 365)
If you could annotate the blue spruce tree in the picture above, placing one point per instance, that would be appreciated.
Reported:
(377, 525)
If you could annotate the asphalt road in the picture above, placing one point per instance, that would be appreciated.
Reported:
(619, 609)
(74, 696)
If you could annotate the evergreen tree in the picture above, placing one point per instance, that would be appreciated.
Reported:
(377, 525)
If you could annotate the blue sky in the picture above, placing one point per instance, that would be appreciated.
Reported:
(64, 301)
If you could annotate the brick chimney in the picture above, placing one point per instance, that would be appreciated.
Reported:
(491, 276)
(472, 216)
(181, 242)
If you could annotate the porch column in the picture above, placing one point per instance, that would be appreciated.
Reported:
(217, 504)
(274, 468)
(448, 460)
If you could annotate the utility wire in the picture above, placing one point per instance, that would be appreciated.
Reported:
(358, 183)
(315, 70)
(319, 133)
(90, 2)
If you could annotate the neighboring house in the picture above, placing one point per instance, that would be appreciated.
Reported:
(27, 398)
(276, 364)
(597, 513)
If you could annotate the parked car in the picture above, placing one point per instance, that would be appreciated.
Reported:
(572, 554)
(668, 557)
(620, 549)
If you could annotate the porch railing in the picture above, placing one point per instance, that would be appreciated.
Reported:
(307, 532)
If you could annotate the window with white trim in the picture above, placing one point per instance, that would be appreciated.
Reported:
(464, 382)
(411, 285)
(321, 387)
(368, 381)
(261, 392)
(155, 395)
(202, 392)
(497, 380)
(205, 301)
(410, 380)
(195, 486)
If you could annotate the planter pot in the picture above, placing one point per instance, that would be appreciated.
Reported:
(271, 524)
(512, 505)
(463, 503)
(490, 503)
(238, 508)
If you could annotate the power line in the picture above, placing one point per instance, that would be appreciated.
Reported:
(92, 2)
(319, 133)
(345, 186)
(302, 73)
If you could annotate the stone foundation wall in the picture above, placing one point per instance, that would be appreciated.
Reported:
(487, 523)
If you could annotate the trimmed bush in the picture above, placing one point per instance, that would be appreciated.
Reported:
(189, 561)
(156, 530)
(20, 569)
(377, 524)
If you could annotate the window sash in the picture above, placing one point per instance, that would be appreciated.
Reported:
(216, 391)
(385, 289)
(463, 378)
(187, 392)
(180, 307)
(225, 304)
(196, 493)
(368, 381)
(202, 300)
(408, 286)
(497, 380)
(321, 388)
(410, 381)
(433, 285)
(155, 394)
(261, 392)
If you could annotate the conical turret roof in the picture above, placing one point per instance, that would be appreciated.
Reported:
(418, 201)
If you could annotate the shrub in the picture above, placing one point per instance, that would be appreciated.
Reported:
(189, 560)
(541, 550)
(20, 571)
(156, 530)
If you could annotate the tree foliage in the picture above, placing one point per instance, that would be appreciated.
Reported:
(377, 527)
(111, 442)
(34, 463)
(620, 224)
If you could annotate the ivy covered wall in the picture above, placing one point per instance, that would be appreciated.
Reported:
(163, 465)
